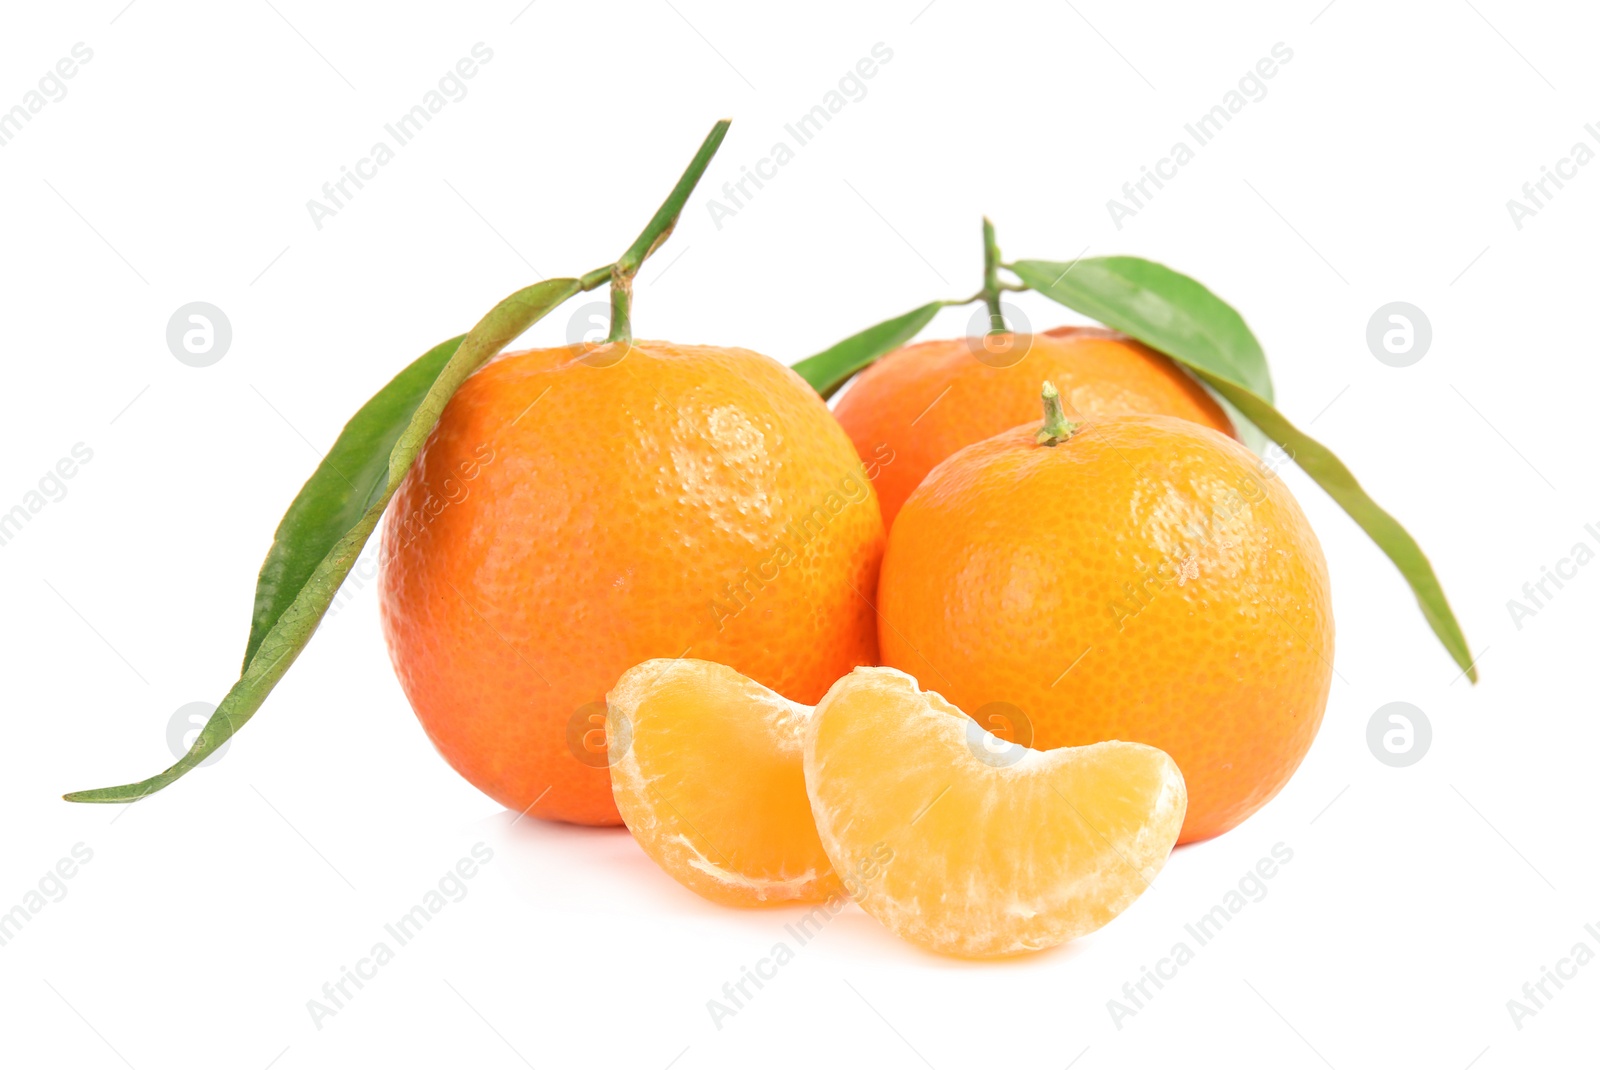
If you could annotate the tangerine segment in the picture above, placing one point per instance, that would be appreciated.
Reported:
(706, 772)
(969, 846)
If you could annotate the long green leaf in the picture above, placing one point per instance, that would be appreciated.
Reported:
(1175, 314)
(1332, 476)
(328, 523)
(832, 368)
(1161, 308)
(331, 518)
(339, 492)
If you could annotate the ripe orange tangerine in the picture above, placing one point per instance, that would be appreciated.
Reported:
(967, 846)
(1131, 577)
(580, 510)
(706, 770)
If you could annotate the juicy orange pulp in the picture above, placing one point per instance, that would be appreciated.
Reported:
(963, 844)
(707, 775)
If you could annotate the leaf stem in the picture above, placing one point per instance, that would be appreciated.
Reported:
(655, 232)
(660, 226)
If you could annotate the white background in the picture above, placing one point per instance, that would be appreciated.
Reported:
(1418, 901)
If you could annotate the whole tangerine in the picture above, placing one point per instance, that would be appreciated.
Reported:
(1137, 578)
(580, 510)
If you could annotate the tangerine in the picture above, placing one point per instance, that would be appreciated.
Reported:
(579, 510)
(1140, 578)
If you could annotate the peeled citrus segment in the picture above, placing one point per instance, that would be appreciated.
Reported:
(709, 781)
(967, 845)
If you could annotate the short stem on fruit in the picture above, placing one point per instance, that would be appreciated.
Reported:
(1057, 428)
(621, 305)
(991, 280)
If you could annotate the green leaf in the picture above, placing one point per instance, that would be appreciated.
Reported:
(329, 521)
(832, 368)
(661, 225)
(1161, 308)
(340, 491)
(1190, 324)
(1248, 433)
(1330, 473)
